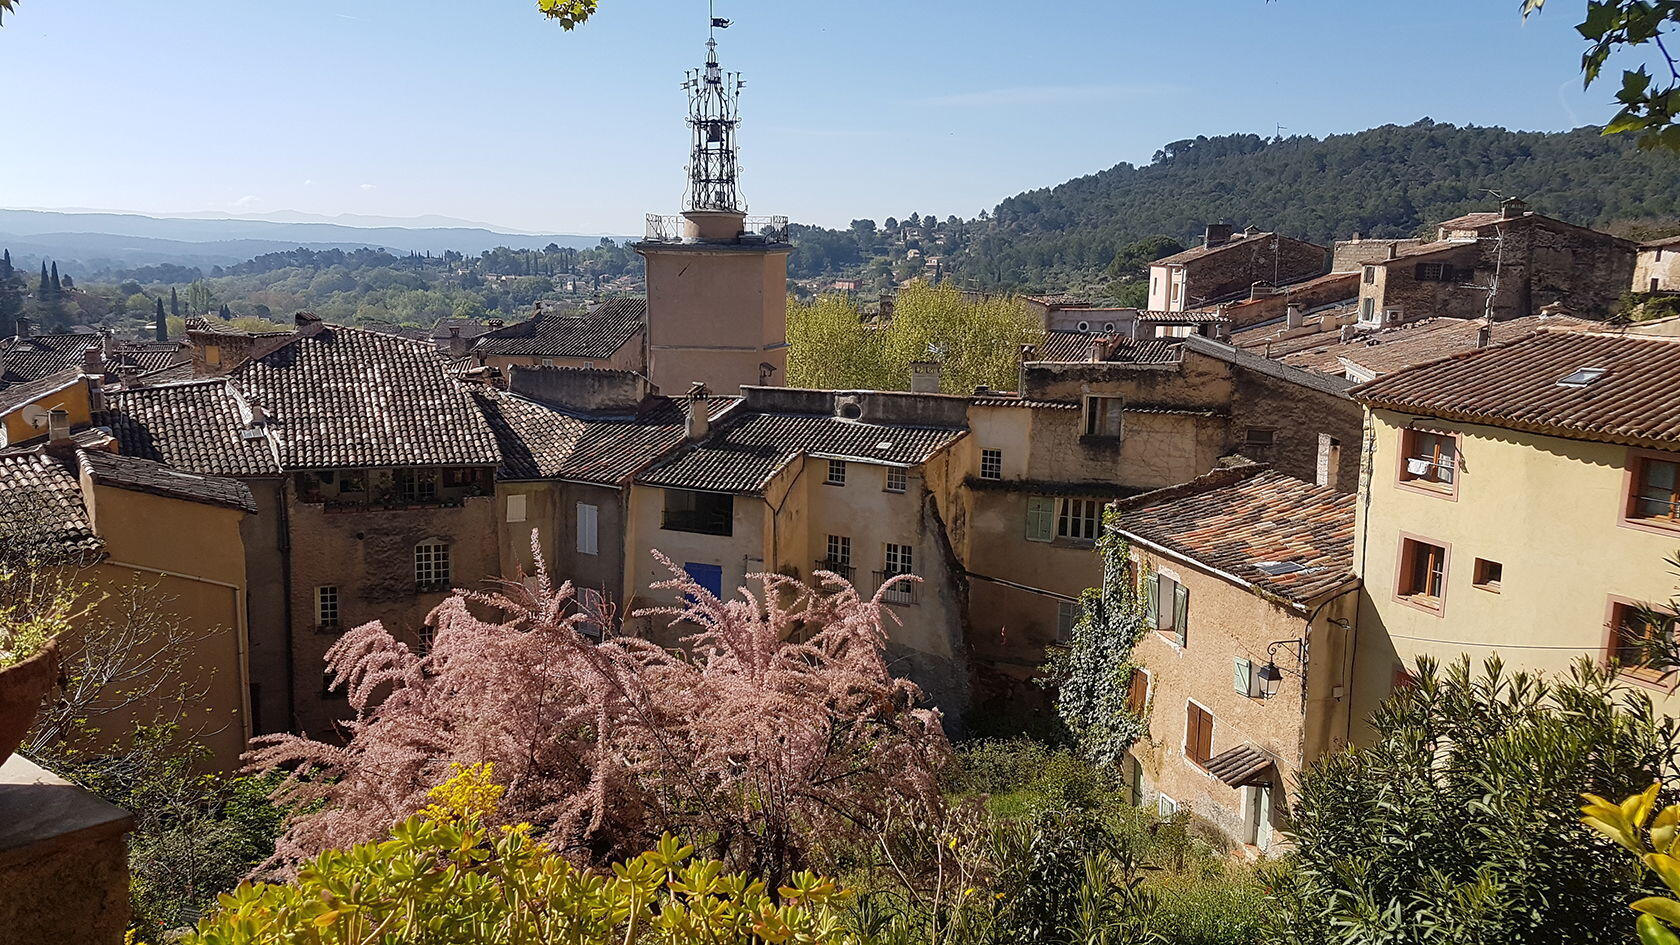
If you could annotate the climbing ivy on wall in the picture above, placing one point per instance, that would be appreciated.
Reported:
(1093, 673)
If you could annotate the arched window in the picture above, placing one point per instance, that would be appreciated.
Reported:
(431, 565)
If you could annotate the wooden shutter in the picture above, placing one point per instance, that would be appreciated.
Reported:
(1137, 692)
(586, 529)
(1198, 734)
(1181, 612)
(1041, 515)
(1151, 591)
(1242, 676)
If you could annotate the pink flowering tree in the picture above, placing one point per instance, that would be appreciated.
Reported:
(773, 729)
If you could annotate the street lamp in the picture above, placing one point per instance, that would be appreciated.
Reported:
(1270, 678)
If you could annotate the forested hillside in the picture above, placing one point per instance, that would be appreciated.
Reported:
(1387, 181)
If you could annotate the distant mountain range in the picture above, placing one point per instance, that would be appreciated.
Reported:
(90, 242)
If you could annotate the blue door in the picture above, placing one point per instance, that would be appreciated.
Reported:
(708, 576)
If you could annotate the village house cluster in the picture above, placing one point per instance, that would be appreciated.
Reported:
(1326, 461)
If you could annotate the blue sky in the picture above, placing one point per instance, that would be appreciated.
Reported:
(482, 110)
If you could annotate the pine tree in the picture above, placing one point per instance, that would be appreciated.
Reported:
(160, 324)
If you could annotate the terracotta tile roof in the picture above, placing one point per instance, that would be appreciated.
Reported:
(35, 357)
(195, 426)
(347, 397)
(1409, 253)
(1235, 520)
(1158, 317)
(1472, 221)
(1515, 385)
(146, 357)
(17, 395)
(1663, 243)
(1015, 400)
(1197, 252)
(1076, 346)
(1242, 766)
(541, 442)
(1393, 349)
(41, 510)
(743, 454)
(596, 334)
(143, 475)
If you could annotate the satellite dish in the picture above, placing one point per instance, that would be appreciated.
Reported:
(35, 415)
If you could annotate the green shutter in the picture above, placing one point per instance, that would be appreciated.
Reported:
(1181, 612)
(1041, 518)
(1241, 673)
(1151, 592)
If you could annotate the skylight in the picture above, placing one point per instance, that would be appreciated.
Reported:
(1582, 377)
(1280, 568)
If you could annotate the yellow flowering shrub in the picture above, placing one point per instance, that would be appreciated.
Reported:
(444, 878)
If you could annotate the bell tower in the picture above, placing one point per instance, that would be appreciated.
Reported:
(716, 278)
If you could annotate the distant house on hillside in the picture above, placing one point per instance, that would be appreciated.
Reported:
(1227, 265)
(1657, 268)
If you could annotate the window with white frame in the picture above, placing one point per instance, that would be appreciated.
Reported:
(326, 606)
(898, 479)
(991, 464)
(1067, 614)
(1041, 518)
(1078, 519)
(836, 472)
(1167, 607)
(1102, 416)
(431, 564)
(900, 559)
(588, 529)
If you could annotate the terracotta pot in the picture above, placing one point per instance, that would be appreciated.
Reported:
(22, 687)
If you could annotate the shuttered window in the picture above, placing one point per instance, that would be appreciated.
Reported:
(1137, 692)
(1242, 677)
(1198, 734)
(1167, 607)
(1041, 518)
(588, 519)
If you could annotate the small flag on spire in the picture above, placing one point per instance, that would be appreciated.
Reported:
(719, 22)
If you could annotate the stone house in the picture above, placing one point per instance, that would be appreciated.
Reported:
(1242, 674)
(1520, 500)
(1657, 268)
(1227, 265)
(1535, 261)
(1367, 355)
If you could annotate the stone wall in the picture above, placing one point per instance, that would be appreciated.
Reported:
(1350, 255)
(63, 861)
(1233, 270)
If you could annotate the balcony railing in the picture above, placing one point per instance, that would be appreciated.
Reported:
(838, 567)
(904, 592)
(770, 229)
(671, 228)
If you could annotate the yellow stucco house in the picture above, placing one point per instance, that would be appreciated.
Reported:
(1518, 500)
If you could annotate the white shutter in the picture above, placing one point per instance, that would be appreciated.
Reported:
(586, 529)
(1242, 675)
(516, 508)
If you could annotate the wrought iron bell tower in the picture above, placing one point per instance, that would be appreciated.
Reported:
(714, 112)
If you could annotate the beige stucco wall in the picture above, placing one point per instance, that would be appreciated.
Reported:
(737, 554)
(714, 315)
(189, 561)
(1548, 509)
(73, 400)
(1307, 717)
(1662, 264)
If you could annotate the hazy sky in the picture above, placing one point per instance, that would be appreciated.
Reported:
(481, 109)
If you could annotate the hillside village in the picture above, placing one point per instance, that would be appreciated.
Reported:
(1324, 463)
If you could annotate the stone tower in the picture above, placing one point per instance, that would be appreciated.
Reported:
(716, 280)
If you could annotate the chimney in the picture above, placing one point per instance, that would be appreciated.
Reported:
(1484, 334)
(22, 326)
(1250, 230)
(1097, 351)
(1512, 207)
(58, 431)
(1216, 234)
(1356, 237)
(308, 323)
(1347, 334)
(1293, 317)
(93, 361)
(1329, 460)
(495, 323)
(697, 420)
(924, 377)
(1393, 250)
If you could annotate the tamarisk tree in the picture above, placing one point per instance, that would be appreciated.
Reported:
(775, 727)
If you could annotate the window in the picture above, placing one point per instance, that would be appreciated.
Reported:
(1656, 491)
(1423, 572)
(1067, 614)
(1487, 575)
(431, 565)
(1429, 459)
(326, 607)
(1370, 275)
(991, 464)
(839, 558)
(899, 558)
(1633, 635)
(1166, 806)
(897, 479)
(516, 508)
(836, 472)
(708, 513)
(212, 354)
(1434, 272)
(416, 485)
(1041, 518)
(1078, 519)
(1102, 416)
(1198, 734)
(1167, 607)
(588, 529)
(1137, 691)
(1368, 309)
(1257, 441)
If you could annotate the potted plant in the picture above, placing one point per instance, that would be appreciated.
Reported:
(33, 612)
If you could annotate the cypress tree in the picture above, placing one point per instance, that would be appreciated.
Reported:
(160, 325)
(57, 286)
(45, 286)
(5, 265)
(174, 303)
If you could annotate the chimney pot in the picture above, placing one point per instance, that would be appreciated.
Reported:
(697, 420)
(1484, 334)
(22, 326)
(1293, 316)
(1512, 207)
(1393, 251)
(1216, 233)
(58, 426)
(924, 377)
